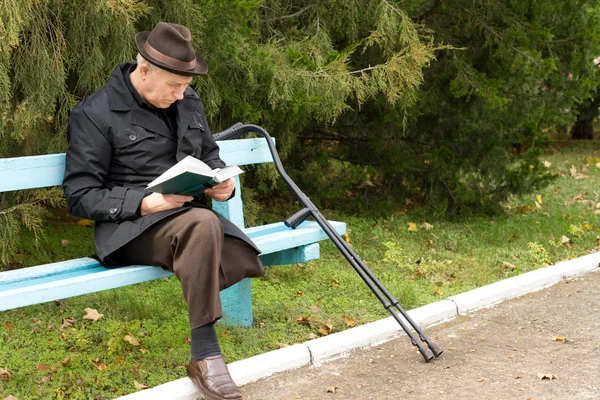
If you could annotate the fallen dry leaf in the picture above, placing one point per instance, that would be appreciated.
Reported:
(64, 243)
(438, 291)
(92, 314)
(538, 197)
(11, 397)
(312, 336)
(523, 209)
(299, 294)
(329, 325)
(85, 222)
(7, 325)
(67, 322)
(63, 363)
(547, 164)
(4, 373)
(349, 321)
(334, 282)
(508, 265)
(331, 389)
(546, 376)
(564, 239)
(131, 340)
(304, 321)
(43, 367)
(412, 227)
(573, 171)
(426, 226)
(99, 364)
(139, 385)
(323, 331)
(560, 339)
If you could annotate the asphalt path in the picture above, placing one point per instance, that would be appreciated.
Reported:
(543, 345)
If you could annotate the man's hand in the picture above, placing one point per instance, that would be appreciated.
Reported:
(161, 202)
(222, 191)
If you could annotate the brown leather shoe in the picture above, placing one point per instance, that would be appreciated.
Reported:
(212, 378)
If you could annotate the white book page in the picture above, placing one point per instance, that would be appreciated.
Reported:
(228, 172)
(187, 164)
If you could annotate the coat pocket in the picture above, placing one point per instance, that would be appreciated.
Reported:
(196, 122)
(132, 137)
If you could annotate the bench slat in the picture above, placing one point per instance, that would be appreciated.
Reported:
(55, 281)
(40, 271)
(20, 173)
(103, 279)
(270, 238)
(280, 237)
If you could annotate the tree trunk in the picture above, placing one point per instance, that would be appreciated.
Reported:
(583, 129)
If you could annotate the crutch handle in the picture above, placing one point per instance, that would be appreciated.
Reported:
(298, 218)
(229, 133)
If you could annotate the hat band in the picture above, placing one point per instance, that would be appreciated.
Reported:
(170, 61)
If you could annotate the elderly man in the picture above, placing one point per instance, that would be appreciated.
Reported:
(141, 123)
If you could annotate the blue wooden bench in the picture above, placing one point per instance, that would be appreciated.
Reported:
(39, 284)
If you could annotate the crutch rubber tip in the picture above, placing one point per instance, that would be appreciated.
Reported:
(427, 356)
(436, 350)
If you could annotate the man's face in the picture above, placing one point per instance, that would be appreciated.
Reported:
(162, 88)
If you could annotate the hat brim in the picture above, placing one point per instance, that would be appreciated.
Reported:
(201, 67)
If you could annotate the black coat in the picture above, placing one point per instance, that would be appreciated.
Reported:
(117, 147)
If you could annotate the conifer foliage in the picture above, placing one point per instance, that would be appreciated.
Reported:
(278, 63)
(443, 100)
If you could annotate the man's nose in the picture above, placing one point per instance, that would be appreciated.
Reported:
(179, 93)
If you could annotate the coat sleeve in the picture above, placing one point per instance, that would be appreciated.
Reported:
(87, 164)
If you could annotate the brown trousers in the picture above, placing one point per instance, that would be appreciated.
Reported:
(192, 245)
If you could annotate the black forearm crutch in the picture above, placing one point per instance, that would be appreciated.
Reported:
(359, 266)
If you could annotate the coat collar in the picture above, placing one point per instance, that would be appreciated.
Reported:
(120, 98)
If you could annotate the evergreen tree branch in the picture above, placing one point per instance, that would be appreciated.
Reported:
(429, 11)
(296, 14)
(358, 162)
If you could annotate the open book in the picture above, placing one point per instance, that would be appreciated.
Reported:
(191, 176)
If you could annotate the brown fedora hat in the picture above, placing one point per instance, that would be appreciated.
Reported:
(169, 46)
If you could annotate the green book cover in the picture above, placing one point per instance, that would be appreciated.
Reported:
(191, 176)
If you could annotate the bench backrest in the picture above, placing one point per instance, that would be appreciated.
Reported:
(44, 171)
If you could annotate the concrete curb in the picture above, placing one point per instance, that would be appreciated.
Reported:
(494, 293)
(318, 350)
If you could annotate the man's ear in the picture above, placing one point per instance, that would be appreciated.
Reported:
(144, 69)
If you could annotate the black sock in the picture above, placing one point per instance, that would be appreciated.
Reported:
(205, 342)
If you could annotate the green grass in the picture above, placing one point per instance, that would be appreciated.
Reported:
(417, 267)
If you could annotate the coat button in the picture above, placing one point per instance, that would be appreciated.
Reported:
(193, 153)
(132, 137)
(113, 210)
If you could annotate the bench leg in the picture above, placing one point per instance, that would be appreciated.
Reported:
(237, 300)
(237, 304)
